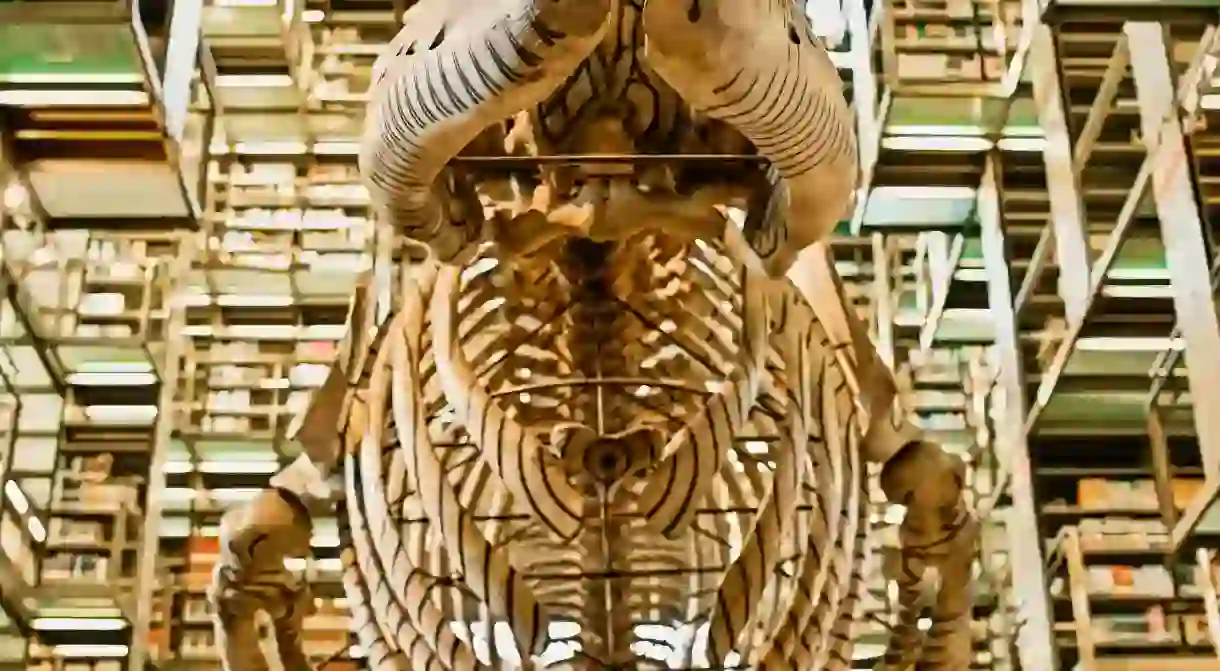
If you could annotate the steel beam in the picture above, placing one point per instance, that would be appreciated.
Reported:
(150, 533)
(1103, 103)
(870, 109)
(1037, 266)
(944, 259)
(1182, 232)
(1199, 505)
(863, 81)
(1029, 583)
(1062, 177)
(1122, 227)
(1162, 467)
(883, 298)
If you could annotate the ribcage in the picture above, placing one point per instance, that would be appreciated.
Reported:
(620, 456)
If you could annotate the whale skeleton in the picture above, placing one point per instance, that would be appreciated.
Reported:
(623, 416)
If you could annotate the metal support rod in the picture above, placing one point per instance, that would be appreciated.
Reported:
(1062, 179)
(1162, 467)
(870, 109)
(1205, 573)
(1169, 359)
(1105, 260)
(1103, 103)
(863, 81)
(150, 534)
(1186, 254)
(883, 298)
(1037, 266)
(1011, 447)
(1198, 75)
(1078, 591)
(944, 261)
(1198, 507)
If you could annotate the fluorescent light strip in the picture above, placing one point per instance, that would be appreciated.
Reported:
(73, 78)
(37, 531)
(240, 467)
(253, 81)
(1031, 144)
(121, 413)
(112, 379)
(254, 300)
(12, 491)
(924, 192)
(77, 651)
(1130, 344)
(68, 98)
(79, 624)
(223, 467)
(337, 148)
(936, 143)
(271, 148)
(114, 367)
(936, 130)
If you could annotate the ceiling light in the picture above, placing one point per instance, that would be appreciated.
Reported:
(336, 148)
(16, 196)
(117, 414)
(38, 531)
(1036, 144)
(240, 467)
(936, 143)
(254, 300)
(1130, 344)
(136, 78)
(246, 3)
(78, 651)
(114, 367)
(12, 491)
(66, 98)
(271, 148)
(253, 81)
(922, 192)
(112, 379)
(79, 624)
(936, 130)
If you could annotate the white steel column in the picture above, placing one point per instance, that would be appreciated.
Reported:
(1062, 177)
(1029, 584)
(1181, 232)
(864, 89)
(167, 416)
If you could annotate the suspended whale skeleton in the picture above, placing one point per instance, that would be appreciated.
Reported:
(609, 424)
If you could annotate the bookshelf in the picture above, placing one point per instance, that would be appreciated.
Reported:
(92, 305)
(285, 235)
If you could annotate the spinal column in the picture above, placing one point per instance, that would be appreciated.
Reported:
(457, 67)
(755, 65)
